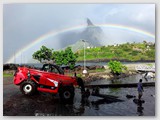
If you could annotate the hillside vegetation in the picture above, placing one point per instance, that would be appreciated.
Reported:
(126, 52)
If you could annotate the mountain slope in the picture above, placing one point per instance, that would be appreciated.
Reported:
(92, 34)
(79, 45)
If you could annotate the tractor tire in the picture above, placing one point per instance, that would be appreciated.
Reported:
(28, 87)
(66, 93)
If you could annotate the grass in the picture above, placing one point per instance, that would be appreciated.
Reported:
(7, 75)
(127, 51)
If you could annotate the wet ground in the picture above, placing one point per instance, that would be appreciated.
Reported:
(16, 104)
(130, 79)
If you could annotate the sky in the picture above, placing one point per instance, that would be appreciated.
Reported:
(26, 27)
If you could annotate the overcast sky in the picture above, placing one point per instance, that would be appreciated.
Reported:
(25, 23)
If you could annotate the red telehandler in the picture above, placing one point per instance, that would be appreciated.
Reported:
(49, 79)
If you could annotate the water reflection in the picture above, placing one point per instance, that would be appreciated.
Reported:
(130, 79)
(116, 82)
(114, 90)
(95, 104)
(140, 108)
(84, 103)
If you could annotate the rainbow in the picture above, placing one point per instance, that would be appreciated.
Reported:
(54, 33)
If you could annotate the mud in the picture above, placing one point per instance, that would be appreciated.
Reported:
(45, 104)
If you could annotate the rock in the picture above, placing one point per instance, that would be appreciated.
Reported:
(153, 95)
(137, 101)
(130, 96)
(91, 67)
(151, 75)
(10, 66)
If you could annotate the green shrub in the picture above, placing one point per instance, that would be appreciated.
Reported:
(116, 67)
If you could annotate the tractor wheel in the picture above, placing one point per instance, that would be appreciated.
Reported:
(66, 93)
(28, 87)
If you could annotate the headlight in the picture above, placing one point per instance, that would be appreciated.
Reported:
(53, 81)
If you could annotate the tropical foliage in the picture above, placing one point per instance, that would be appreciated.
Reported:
(116, 67)
(66, 57)
(43, 54)
(63, 57)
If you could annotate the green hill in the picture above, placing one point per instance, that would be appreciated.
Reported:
(79, 45)
(126, 52)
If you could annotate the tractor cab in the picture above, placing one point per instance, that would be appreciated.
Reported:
(52, 68)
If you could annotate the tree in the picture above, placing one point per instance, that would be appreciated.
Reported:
(66, 57)
(57, 56)
(116, 67)
(69, 58)
(43, 54)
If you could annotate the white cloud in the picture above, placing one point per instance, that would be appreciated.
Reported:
(145, 13)
(24, 23)
(112, 12)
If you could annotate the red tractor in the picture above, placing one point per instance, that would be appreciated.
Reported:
(49, 79)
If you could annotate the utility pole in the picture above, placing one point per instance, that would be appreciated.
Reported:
(84, 69)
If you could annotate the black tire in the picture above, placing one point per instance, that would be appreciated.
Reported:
(66, 93)
(28, 87)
